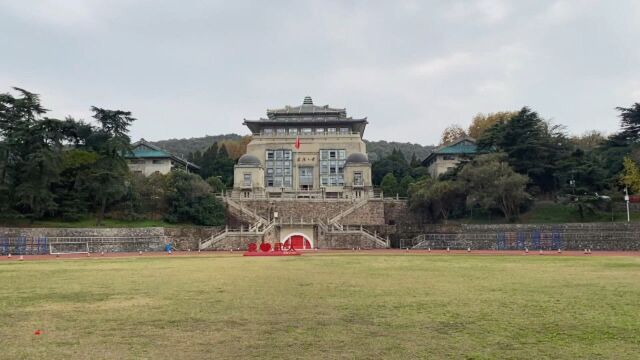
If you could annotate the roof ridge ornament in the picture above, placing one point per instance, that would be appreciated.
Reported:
(307, 101)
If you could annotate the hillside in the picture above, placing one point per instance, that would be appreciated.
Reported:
(185, 146)
(376, 149)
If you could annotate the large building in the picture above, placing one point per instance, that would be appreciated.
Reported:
(304, 182)
(304, 151)
(448, 156)
(146, 159)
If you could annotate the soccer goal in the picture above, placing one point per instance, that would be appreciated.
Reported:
(62, 247)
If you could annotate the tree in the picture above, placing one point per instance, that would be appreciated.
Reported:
(111, 141)
(403, 186)
(630, 122)
(452, 133)
(190, 199)
(589, 140)
(492, 184)
(389, 185)
(217, 185)
(394, 163)
(30, 153)
(482, 122)
(533, 147)
(414, 161)
(73, 191)
(582, 172)
(630, 176)
(436, 198)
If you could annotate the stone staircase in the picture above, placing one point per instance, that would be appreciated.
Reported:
(348, 211)
(257, 231)
(339, 229)
(260, 226)
(244, 211)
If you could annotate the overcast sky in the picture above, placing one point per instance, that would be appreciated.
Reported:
(192, 68)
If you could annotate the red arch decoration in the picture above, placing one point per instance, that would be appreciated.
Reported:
(297, 242)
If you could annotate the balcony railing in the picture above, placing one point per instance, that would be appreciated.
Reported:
(303, 135)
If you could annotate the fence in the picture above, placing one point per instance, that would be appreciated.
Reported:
(533, 240)
(60, 245)
(23, 245)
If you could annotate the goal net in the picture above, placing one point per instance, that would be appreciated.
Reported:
(69, 247)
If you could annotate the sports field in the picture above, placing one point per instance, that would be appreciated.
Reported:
(325, 306)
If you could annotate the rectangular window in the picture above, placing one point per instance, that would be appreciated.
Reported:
(332, 167)
(320, 131)
(158, 162)
(278, 168)
(358, 179)
(281, 131)
(344, 130)
(267, 131)
(247, 180)
(331, 131)
(307, 131)
(293, 131)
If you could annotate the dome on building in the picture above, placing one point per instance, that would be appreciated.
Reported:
(249, 160)
(357, 158)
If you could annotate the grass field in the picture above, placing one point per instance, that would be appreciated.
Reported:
(326, 306)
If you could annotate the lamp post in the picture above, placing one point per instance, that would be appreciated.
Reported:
(626, 198)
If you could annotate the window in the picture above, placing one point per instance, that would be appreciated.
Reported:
(344, 130)
(293, 131)
(320, 131)
(307, 131)
(332, 167)
(448, 157)
(358, 179)
(281, 131)
(247, 180)
(278, 168)
(267, 131)
(158, 161)
(331, 131)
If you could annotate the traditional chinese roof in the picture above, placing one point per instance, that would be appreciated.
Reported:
(146, 150)
(463, 146)
(306, 114)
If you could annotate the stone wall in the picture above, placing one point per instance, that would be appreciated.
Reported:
(574, 236)
(370, 214)
(148, 239)
(346, 241)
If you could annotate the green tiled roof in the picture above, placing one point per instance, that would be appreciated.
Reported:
(143, 149)
(463, 147)
(466, 146)
(145, 152)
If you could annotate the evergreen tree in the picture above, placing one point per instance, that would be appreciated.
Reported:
(630, 123)
(389, 185)
(111, 141)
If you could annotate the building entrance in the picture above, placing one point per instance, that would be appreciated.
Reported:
(298, 242)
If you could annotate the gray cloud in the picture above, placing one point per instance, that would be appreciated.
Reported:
(198, 67)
